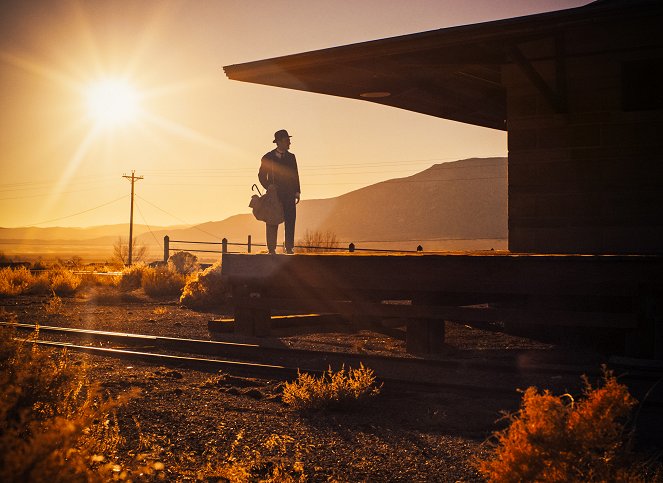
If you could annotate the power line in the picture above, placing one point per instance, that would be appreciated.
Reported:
(314, 170)
(43, 195)
(79, 213)
(27, 185)
(205, 172)
(189, 225)
(402, 162)
(333, 170)
(148, 226)
(345, 183)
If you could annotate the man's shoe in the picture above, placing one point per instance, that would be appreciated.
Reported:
(272, 252)
(289, 251)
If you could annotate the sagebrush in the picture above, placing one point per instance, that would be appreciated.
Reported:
(22, 281)
(14, 281)
(205, 289)
(183, 262)
(162, 282)
(560, 439)
(63, 282)
(132, 277)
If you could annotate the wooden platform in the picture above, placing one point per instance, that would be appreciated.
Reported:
(619, 295)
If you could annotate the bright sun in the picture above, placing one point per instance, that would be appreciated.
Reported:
(112, 101)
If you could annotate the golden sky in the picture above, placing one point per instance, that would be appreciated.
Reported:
(195, 136)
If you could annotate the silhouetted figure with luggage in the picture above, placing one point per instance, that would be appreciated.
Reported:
(279, 167)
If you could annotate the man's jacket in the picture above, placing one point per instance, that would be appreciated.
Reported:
(281, 172)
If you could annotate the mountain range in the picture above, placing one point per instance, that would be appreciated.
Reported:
(460, 205)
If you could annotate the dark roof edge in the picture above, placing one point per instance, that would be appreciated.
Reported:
(511, 27)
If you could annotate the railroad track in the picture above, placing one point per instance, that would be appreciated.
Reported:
(504, 376)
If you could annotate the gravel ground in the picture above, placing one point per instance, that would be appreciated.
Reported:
(201, 426)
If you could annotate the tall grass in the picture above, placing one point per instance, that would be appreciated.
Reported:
(156, 282)
(332, 390)
(54, 425)
(276, 460)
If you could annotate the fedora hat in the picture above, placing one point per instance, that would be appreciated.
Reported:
(282, 133)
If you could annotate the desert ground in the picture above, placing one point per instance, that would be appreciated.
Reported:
(203, 426)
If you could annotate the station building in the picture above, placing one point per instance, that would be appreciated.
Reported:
(579, 93)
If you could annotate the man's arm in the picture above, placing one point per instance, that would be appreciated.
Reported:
(264, 172)
(298, 191)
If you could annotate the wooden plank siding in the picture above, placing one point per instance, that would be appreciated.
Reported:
(587, 178)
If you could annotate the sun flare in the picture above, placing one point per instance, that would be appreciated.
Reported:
(112, 101)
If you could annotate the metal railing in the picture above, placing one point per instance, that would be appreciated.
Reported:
(351, 247)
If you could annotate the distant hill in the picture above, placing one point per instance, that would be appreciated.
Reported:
(459, 200)
(66, 233)
(455, 205)
(91, 243)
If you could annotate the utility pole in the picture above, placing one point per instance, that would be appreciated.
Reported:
(133, 179)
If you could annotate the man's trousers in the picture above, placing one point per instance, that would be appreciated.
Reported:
(290, 216)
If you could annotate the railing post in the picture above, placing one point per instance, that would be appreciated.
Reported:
(166, 248)
(248, 245)
(351, 248)
(224, 245)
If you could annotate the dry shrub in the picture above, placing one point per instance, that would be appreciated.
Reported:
(121, 251)
(40, 284)
(184, 263)
(63, 282)
(22, 281)
(14, 281)
(160, 310)
(332, 390)
(555, 438)
(162, 282)
(318, 241)
(54, 425)
(132, 277)
(96, 280)
(54, 305)
(277, 460)
(205, 289)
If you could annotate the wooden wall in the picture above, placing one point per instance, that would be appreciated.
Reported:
(588, 177)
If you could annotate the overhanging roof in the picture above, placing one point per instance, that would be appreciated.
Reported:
(452, 73)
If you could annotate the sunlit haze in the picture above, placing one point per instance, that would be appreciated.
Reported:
(91, 90)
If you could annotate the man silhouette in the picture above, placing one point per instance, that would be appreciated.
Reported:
(279, 167)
